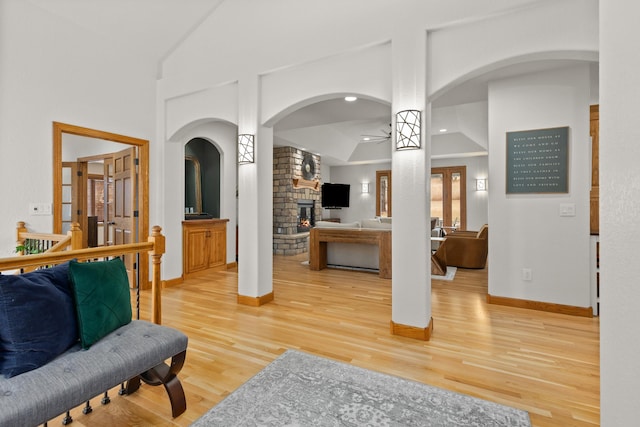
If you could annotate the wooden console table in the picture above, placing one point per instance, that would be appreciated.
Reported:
(318, 238)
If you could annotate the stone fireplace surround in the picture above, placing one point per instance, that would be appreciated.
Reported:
(287, 165)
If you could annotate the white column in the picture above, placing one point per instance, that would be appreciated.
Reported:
(619, 206)
(255, 201)
(411, 261)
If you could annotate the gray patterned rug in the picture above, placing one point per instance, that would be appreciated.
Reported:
(298, 389)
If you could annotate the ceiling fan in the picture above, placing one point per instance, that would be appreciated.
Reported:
(385, 135)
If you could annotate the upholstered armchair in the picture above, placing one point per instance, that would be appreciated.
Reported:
(465, 249)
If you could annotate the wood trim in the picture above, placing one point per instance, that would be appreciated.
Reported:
(255, 301)
(541, 306)
(143, 179)
(594, 195)
(447, 173)
(232, 266)
(414, 332)
(379, 175)
(172, 282)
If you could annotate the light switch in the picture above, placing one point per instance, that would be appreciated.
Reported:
(39, 208)
(567, 209)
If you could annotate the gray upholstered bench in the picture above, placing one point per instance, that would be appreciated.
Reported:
(132, 353)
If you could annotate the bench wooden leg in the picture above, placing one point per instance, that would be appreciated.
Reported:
(167, 375)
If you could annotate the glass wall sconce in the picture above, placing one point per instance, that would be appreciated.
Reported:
(408, 130)
(245, 149)
(365, 187)
(481, 184)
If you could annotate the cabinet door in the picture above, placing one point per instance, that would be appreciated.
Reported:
(218, 247)
(197, 249)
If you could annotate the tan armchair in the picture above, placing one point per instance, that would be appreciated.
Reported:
(465, 249)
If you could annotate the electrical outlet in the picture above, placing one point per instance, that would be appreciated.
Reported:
(527, 274)
(567, 209)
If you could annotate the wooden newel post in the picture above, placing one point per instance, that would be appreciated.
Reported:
(156, 282)
(20, 228)
(76, 236)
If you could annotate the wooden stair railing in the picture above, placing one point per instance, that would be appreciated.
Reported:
(155, 247)
(32, 243)
(48, 242)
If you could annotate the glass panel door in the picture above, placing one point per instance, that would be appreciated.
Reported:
(456, 206)
(437, 197)
(448, 196)
(383, 193)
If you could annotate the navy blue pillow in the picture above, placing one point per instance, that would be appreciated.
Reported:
(37, 319)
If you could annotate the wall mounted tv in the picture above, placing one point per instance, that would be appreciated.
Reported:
(335, 196)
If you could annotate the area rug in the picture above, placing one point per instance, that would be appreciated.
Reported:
(451, 274)
(299, 389)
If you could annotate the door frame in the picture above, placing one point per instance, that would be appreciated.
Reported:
(447, 172)
(143, 180)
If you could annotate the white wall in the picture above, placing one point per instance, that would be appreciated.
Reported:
(361, 205)
(619, 207)
(52, 70)
(526, 229)
(364, 205)
(211, 114)
(550, 30)
(477, 201)
(223, 136)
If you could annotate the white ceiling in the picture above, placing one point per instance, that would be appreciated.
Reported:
(333, 128)
(151, 28)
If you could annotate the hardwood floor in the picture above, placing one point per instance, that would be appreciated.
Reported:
(547, 364)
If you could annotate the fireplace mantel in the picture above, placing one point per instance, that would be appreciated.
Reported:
(305, 183)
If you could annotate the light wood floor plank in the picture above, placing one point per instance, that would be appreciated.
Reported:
(545, 363)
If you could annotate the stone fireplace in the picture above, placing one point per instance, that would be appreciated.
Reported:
(296, 200)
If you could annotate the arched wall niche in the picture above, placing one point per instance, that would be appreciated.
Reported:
(202, 178)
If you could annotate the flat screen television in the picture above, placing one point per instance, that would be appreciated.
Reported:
(335, 195)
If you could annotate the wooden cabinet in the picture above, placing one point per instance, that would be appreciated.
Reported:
(204, 245)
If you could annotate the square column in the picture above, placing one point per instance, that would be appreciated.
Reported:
(411, 245)
(255, 203)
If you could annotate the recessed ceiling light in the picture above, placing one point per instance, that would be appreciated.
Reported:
(350, 98)
(366, 138)
(443, 130)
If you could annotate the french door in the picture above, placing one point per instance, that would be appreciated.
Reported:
(449, 196)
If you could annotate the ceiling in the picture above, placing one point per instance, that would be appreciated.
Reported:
(151, 28)
(332, 128)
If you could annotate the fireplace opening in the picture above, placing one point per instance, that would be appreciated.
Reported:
(305, 215)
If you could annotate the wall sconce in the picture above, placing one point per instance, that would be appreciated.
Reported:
(245, 149)
(365, 187)
(481, 184)
(408, 129)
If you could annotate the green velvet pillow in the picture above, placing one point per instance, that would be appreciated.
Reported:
(103, 302)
